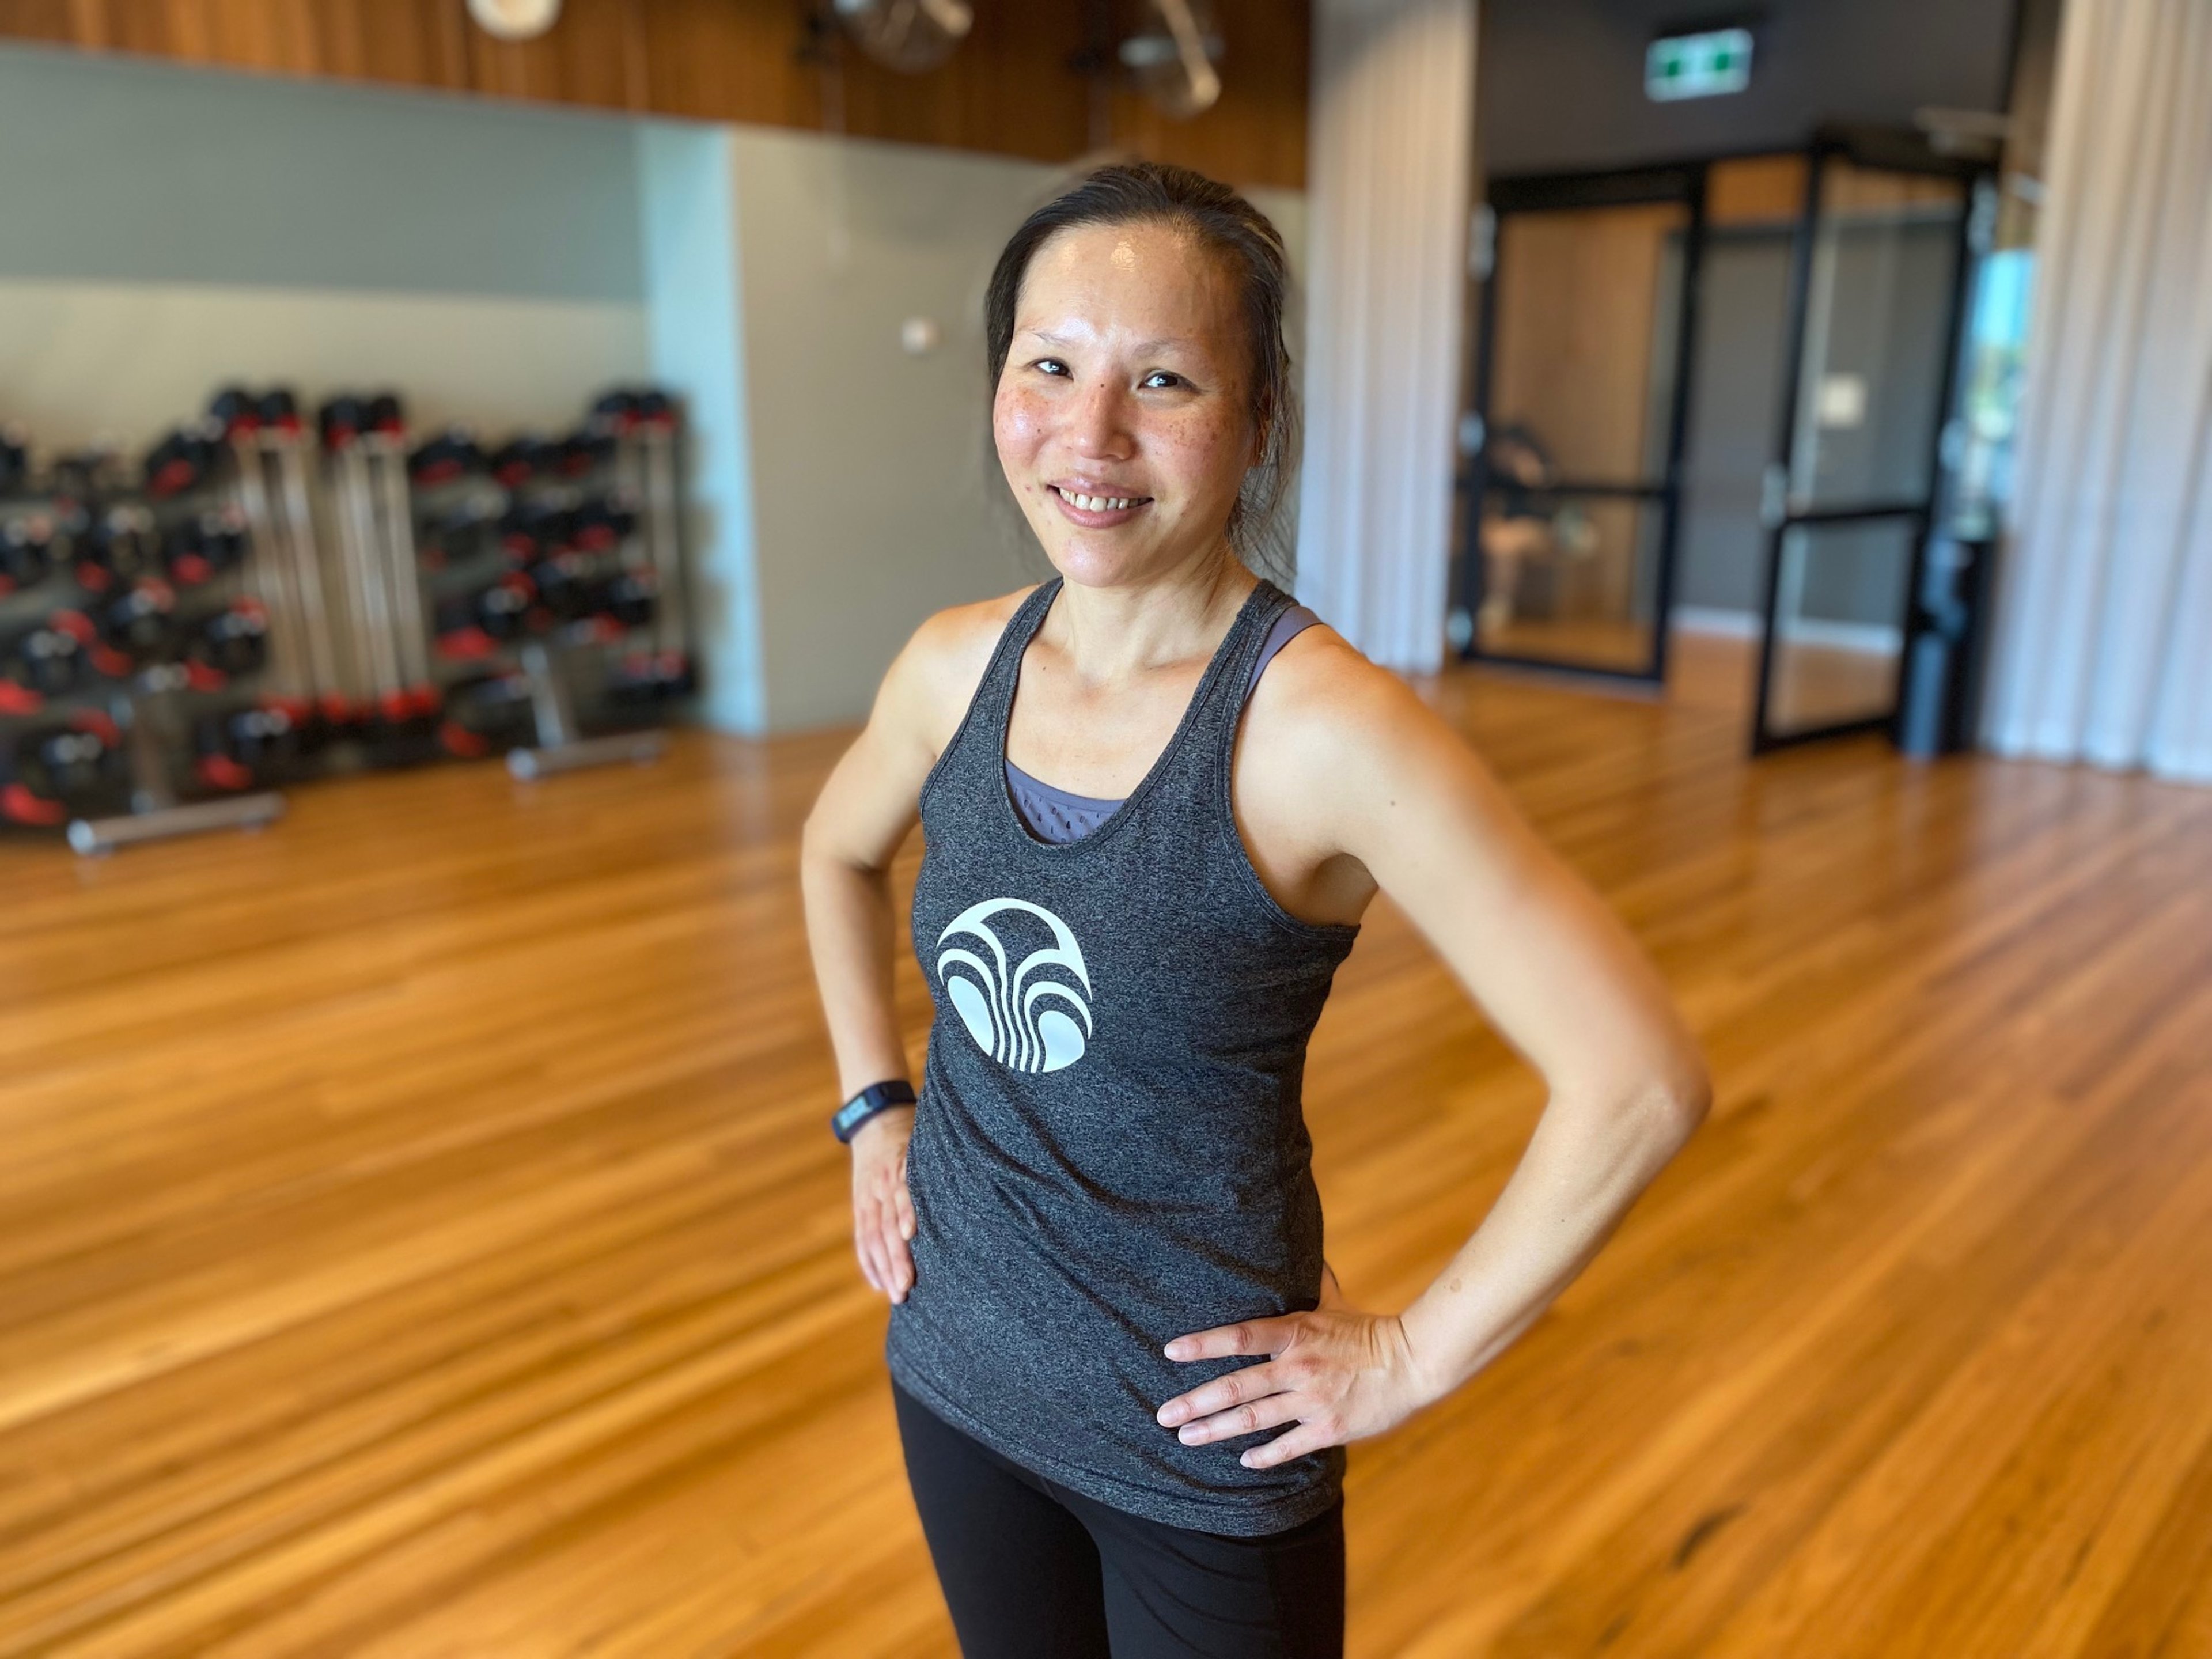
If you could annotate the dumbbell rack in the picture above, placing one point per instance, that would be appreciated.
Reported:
(96, 653)
(640, 428)
(597, 511)
(344, 551)
(156, 812)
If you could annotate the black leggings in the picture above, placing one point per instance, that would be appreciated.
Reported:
(1032, 1570)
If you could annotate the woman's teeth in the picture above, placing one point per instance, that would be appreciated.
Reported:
(1099, 503)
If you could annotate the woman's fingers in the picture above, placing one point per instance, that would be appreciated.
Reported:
(898, 1264)
(1248, 1418)
(1252, 1382)
(1247, 1336)
(883, 1222)
(1300, 1440)
(867, 1241)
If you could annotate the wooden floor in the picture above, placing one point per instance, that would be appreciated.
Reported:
(419, 1238)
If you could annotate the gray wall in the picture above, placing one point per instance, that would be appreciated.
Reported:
(1743, 306)
(168, 228)
(1561, 81)
(131, 172)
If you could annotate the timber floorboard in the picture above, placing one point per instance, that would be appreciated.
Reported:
(420, 1239)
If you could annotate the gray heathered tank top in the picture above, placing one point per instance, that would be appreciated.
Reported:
(1055, 814)
(1109, 1150)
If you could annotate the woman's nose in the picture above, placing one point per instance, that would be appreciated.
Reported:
(1099, 424)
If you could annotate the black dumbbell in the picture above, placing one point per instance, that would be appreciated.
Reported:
(581, 453)
(475, 624)
(625, 410)
(278, 410)
(646, 679)
(628, 599)
(49, 771)
(182, 460)
(236, 410)
(134, 628)
(488, 714)
(119, 546)
(449, 455)
(225, 643)
(602, 522)
(342, 420)
(26, 551)
(87, 474)
(531, 530)
(613, 413)
(565, 582)
(519, 460)
(406, 728)
(252, 744)
(198, 548)
(50, 659)
(458, 533)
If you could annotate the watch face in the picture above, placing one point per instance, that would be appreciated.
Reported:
(514, 19)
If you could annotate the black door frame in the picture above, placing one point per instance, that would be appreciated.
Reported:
(1893, 152)
(1683, 182)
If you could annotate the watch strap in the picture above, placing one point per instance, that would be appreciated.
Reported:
(876, 1098)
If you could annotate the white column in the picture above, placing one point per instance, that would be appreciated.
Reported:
(2103, 649)
(695, 339)
(1391, 146)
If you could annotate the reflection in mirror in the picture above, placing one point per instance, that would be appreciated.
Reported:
(1570, 579)
(1841, 595)
(1884, 262)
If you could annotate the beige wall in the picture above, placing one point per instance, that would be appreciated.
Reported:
(82, 362)
(873, 481)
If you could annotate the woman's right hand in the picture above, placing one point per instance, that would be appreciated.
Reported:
(883, 1213)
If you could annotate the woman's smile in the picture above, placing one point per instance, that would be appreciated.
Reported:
(1096, 507)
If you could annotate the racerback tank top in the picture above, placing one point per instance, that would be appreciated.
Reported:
(1109, 1150)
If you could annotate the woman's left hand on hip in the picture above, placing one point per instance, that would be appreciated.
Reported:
(1339, 1374)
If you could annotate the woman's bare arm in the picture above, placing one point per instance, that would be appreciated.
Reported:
(1353, 763)
(865, 812)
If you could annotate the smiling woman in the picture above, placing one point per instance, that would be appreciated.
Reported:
(1242, 289)
(1102, 1209)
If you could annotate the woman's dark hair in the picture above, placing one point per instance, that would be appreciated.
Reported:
(1221, 221)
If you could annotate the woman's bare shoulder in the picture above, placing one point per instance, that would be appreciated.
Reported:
(1321, 689)
(935, 676)
(1326, 724)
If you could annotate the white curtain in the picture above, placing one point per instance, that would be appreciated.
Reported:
(2103, 650)
(1389, 180)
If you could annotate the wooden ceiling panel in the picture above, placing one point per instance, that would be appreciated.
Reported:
(1010, 89)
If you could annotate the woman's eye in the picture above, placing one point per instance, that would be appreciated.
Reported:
(1161, 378)
(1050, 365)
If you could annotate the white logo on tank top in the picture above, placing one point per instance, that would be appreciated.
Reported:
(1021, 1019)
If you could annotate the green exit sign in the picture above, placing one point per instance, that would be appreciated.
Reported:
(1698, 65)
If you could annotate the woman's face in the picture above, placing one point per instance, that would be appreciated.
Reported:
(1122, 413)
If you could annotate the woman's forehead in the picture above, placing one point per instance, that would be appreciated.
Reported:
(1141, 278)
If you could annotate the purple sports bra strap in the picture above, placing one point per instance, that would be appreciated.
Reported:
(1288, 626)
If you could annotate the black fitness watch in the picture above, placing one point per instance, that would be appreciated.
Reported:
(877, 1097)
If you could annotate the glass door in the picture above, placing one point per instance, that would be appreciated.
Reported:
(1570, 492)
(1879, 263)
